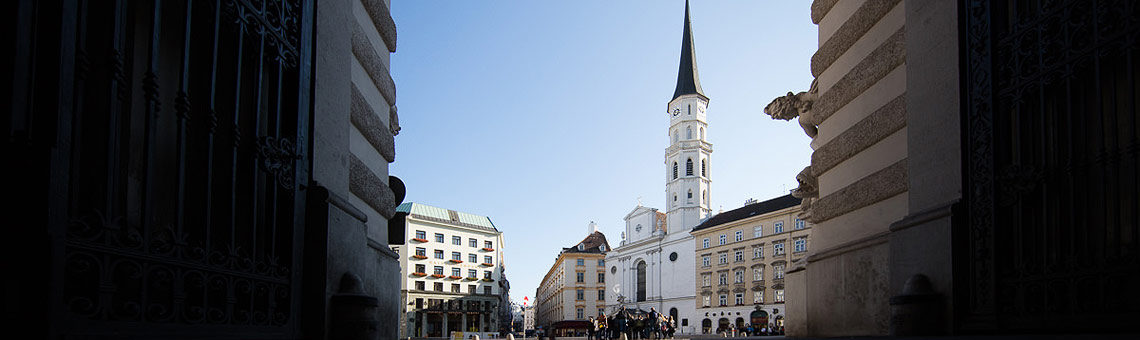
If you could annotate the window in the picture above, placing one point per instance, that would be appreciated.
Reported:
(704, 173)
(456, 240)
(676, 136)
(799, 224)
(456, 256)
(581, 277)
(471, 289)
(739, 235)
(438, 270)
(601, 294)
(758, 274)
(486, 274)
(438, 254)
(421, 252)
(690, 197)
(421, 268)
(674, 170)
(454, 287)
(779, 296)
(706, 280)
(580, 316)
(472, 273)
(778, 226)
(472, 258)
(688, 132)
(801, 245)
(778, 249)
(779, 269)
(705, 301)
(581, 262)
(488, 259)
(723, 239)
(723, 258)
(739, 256)
(438, 286)
(488, 245)
(473, 243)
(758, 252)
(739, 277)
(455, 272)
(723, 279)
(439, 238)
(758, 297)
(601, 262)
(487, 290)
(705, 260)
(689, 167)
(601, 277)
(705, 242)
(601, 247)
(581, 294)
(723, 300)
(581, 247)
(641, 281)
(419, 285)
(420, 234)
(739, 298)
(758, 231)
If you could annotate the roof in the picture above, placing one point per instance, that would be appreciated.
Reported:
(750, 210)
(591, 243)
(437, 214)
(688, 81)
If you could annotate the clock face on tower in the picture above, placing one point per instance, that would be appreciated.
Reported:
(676, 111)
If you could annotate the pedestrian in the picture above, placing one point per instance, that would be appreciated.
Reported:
(590, 328)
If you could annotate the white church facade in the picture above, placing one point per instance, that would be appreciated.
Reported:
(653, 266)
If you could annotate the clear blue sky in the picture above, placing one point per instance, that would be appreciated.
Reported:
(546, 115)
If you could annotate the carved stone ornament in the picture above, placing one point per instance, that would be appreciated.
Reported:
(807, 192)
(796, 105)
(277, 156)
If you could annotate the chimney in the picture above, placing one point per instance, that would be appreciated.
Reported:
(593, 228)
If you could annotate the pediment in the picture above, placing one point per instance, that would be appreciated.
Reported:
(639, 210)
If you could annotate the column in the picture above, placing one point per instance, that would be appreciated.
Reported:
(446, 332)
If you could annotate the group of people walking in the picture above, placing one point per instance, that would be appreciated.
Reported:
(650, 325)
(749, 330)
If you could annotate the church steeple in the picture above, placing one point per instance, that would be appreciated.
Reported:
(688, 82)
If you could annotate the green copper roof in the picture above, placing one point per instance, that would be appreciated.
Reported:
(445, 215)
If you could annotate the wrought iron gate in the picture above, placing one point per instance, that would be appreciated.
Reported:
(1050, 147)
(177, 183)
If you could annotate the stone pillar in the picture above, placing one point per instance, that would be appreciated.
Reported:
(443, 325)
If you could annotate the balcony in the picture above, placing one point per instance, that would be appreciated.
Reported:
(437, 275)
(488, 264)
(488, 249)
(472, 279)
(421, 240)
(419, 257)
(455, 277)
(488, 280)
(455, 261)
(419, 274)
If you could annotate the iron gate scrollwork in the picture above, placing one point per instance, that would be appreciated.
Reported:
(187, 166)
(1051, 149)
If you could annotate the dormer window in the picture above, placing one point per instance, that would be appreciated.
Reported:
(581, 247)
(602, 248)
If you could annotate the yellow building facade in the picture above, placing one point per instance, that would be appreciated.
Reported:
(742, 256)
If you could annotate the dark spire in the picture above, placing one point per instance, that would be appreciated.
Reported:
(688, 82)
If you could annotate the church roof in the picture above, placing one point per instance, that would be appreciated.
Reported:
(590, 244)
(688, 82)
(749, 211)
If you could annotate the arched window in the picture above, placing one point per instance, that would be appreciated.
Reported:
(673, 313)
(703, 169)
(690, 198)
(676, 136)
(690, 109)
(704, 197)
(702, 133)
(674, 170)
(689, 132)
(640, 281)
(689, 167)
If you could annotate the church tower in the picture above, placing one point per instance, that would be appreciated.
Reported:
(687, 159)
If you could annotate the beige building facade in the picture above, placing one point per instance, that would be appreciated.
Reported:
(574, 289)
(742, 256)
